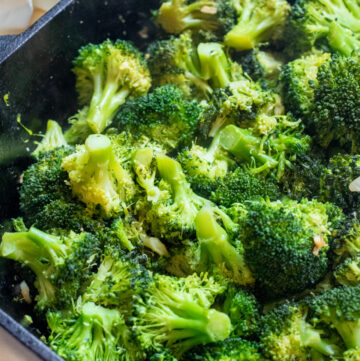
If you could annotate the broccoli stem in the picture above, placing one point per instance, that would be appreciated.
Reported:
(99, 148)
(349, 331)
(342, 39)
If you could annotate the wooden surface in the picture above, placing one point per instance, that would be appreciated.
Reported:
(13, 350)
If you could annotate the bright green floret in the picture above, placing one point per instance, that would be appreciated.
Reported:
(177, 313)
(61, 264)
(106, 75)
(258, 22)
(163, 116)
(97, 176)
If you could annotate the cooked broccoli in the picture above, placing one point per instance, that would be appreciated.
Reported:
(97, 176)
(177, 313)
(163, 116)
(61, 264)
(348, 272)
(79, 129)
(337, 21)
(94, 333)
(215, 16)
(286, 335)
(219, 249)
(258, 21)
(106, 75)
(52, 139)
(231, 349)
(298, 80)
(286, 244)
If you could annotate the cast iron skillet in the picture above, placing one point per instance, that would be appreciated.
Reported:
(35, 70)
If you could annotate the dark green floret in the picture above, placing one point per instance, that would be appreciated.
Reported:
(348, 272)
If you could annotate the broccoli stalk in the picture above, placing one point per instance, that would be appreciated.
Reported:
(52, 139)
(258, 21)
(96, 175)
(176, 313)
(215, 247)
(107, 74)
(60, 264)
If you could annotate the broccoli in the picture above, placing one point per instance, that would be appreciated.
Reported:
(176, 61)
(97, 176)
(298, 80)
(52, 139)
(219, 249)
(61, 264)
(258, 22)
(267, 153)
(334, 114)
(106, 75)
(240, 186)
(93, 333)
(336, 182)
(231, 349)
(79, 129)
(348, 272)
(286, 335)
(286, 244)
(172, 216)
(163, 116)
(336, 21)
(215, 16)
(338, 309)
(176, 313)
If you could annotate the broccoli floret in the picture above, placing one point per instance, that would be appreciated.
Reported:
(335, 112)
(286, 335)
(106, 75)
(336, 182)
(240, 186)
(286, 244)
(176, 61)
(94, 333)
(348, 272)
(219, 250)
(215, 16)
(298, 80)
(61, 264)
(79, 129)
(173, 215)
(177, 313)
(258, 22)
(333, 20)
(163, 116)
(272, 152)
(52, 139)
(339, 309)
(97, 176)
(231, 349)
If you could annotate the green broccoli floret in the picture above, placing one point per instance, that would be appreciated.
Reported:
(79, 129)
(177, 313)
(106, 75)
(97, 176)
(258, 22)
(333, 20)
(286, 244)
(215, 16)
(94, 333)
(240, 186)
(272, 152)
(286, 335)
(339, 309)
(335, 112)
(244, 311)
(176, 61)
(337, 182)
(172, 216)
(61, 264)
(348, 272)
(298, 80)
(351, 355)
(52, 139)
(229, 350)
(219, 249)
(163, 116)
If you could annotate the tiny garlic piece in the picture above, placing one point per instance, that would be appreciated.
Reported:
(25, 292)
(319, 243)
(354, 186)
(208, 10)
